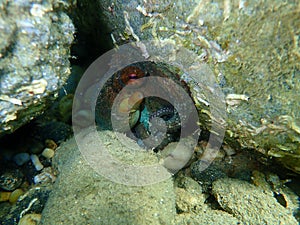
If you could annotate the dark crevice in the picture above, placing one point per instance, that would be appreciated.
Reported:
(92, 37)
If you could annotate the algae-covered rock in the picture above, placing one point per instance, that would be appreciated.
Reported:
(192, 208)
(82, 196)
(253, 49)
(216, 217)
(89, 190)
(189, 196)
(35, 39)
(250, 204)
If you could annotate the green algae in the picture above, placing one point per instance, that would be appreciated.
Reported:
(253, 49)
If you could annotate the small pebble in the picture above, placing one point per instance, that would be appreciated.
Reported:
(48, 153)
(36, 162)
(13, 198)
(21, 158)
(30, 219)
(4, 196)
(50, 144)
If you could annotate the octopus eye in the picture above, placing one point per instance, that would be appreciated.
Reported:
(133, 76)
(130, 76)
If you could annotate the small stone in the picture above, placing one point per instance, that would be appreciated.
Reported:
(50, 144)
(30, 219)
(4, 196)
(207, 217)
(21, 158)
(48, 153)
(36, 162)
(13, 198)
(187, 201)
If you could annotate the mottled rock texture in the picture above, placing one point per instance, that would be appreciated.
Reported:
(82, 196)
(35, 40)
(253, 50)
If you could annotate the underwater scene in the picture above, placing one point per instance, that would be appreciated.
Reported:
(149, 112)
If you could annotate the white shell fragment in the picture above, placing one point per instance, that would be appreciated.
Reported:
(11, 100)
(235, 99)
(36, 87)
(37, 10)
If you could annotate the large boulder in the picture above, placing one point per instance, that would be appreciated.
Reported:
(82, 196)
(35, 40)
(252, 49)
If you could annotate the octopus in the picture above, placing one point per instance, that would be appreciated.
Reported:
(142, 110)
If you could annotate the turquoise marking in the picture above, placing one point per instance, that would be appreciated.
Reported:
(144, 119)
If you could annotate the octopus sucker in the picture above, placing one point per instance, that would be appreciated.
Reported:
(170, 116)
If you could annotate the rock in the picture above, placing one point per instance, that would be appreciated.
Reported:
(30, 219)
(186, 201)
(191, 206)
(206, 177)
(48, 153)
(188, 184)
(262, 115)
(33, 200)
(11, 179)
(13, 198)
(82, 196)
(50, 144)
(250, 204)
(216, 217)
(34, 58)
(36, 162)
(272, 185)
(4, 196)
(55, 130)
(189, 196)
(21, 158)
